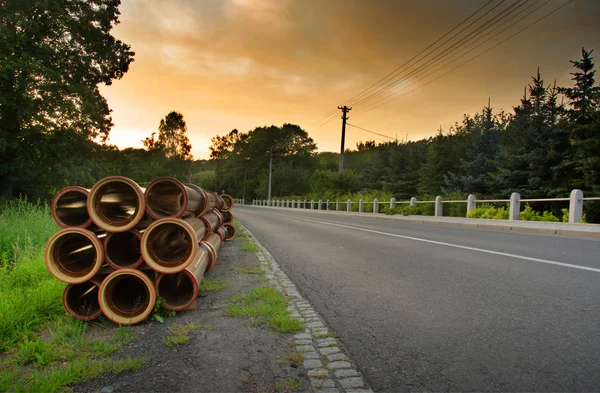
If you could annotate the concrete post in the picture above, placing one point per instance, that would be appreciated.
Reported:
(337, 205)
(515, 206)
(320, 204)
(375, 206)
(304, 204)
(312, 204)
(392, 203)
(327, 205)
(361, 206)
(413, 202)
(439, 210)
(293, 203)
(349, 207)
(471, 203)
(298, 205)
(576, 206)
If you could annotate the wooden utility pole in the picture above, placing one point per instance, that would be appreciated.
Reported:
(345, 117)
(270, 170)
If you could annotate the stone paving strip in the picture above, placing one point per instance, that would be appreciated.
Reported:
(329, 368)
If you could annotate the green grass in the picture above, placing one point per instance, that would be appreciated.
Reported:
(262, 279)
(212, 285)
(328, 335)
(67, 354)
(246, 270)
(29, 296)
(42, 349)
(179, 334)
(265, 305)
(250, 247)
(289, 385)
(293, 357)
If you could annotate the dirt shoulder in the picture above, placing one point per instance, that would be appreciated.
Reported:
(223, 353)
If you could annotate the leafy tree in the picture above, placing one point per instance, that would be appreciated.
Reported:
(54, 54)
(172, 138)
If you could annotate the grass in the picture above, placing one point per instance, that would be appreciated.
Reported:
(292, 357)
(245, 270)
(42, 349)
(289, 385)
(265, 305)
(212, 285)
(250, 247)
(179, 334)
(328, 335)
(29, 295)
(66, 354)
(262, 279)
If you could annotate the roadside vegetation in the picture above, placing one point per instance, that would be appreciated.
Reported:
(42, 349)
(179, 334)
(265, 305)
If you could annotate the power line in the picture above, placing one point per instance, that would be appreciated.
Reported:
(462, 52)
(354, 103)
(451, 50)
(331, 115)
(387, 77)
(480, 54)
(372, 132)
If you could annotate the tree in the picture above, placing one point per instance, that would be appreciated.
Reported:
(53, 56)
(172, 138)
(583, 125)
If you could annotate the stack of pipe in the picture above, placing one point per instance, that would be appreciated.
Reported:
(122, 246)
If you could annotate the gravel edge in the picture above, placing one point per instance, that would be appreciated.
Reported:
(329, 368)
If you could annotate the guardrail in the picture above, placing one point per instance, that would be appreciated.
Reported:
(575, 200)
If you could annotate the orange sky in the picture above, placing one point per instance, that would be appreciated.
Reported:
(229, 64)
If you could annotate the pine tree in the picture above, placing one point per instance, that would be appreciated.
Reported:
(584, 126)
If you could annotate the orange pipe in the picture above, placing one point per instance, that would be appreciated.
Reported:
(69, 207)
(231, 232)
(168, 197)
(180, 290)
(73, 255)
(212, 220)
(169, 245)
(227, 202)
(222, 232)
(116, 204)
(127, 296)
(213, 242)
(123, 249)
(81, 300)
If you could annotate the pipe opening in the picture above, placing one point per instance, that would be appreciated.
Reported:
(177, 289)
(123, 249)
(166, 199)
(116, 203)
(71, 209)
(170, 244)
(230, 231)
(81, 300)
(127, 295)
(74, 254)
(227, 217)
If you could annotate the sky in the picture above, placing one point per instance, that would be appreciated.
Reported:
(241, 64)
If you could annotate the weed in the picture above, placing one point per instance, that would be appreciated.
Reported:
(262, 279)
(292, 357)
(289, 385)
(159, 313)
(250, 247)
(212, 285)
(246, 270)
(328, 335)
(265, 305)
(178, 334)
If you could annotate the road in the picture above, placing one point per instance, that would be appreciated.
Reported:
(432, 308)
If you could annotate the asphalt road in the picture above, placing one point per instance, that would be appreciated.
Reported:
(432, 308)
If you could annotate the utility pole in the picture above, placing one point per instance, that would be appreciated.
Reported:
(345, 117)
(270, 170)
(244, 190)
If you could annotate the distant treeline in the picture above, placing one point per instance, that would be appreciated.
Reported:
(548, 145)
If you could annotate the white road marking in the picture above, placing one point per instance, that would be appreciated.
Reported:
(505, 254)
